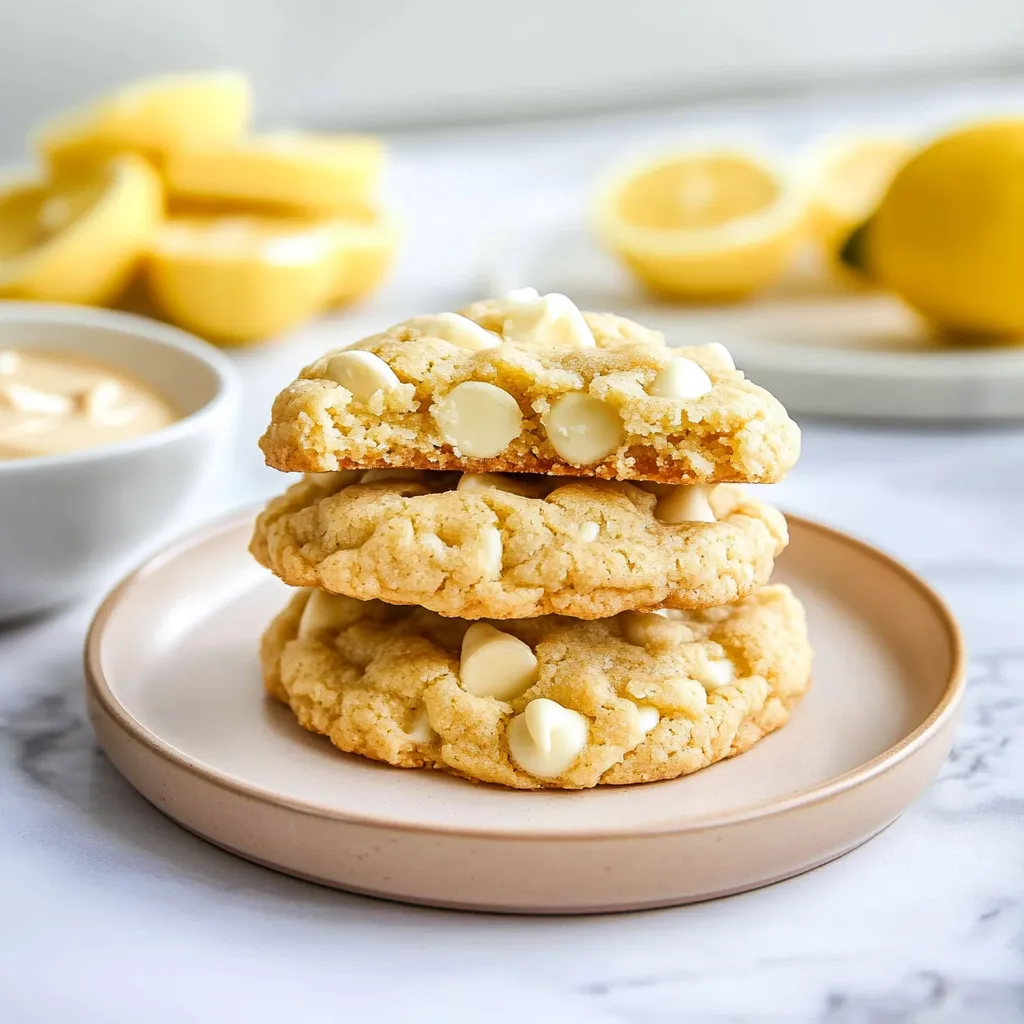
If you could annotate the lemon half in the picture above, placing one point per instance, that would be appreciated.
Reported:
(309, 173)
(237, 279)
(712, 224)
(366, 247)
(79, 241)
(156, 117)
(949, 234)
(846, 178)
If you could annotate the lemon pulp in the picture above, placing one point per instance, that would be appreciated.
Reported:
(701, 226)
(699, 193)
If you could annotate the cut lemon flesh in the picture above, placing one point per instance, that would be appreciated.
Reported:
(309, 173)
(366, 245)
(241, 279)
(703, 225)
(846, 179)
(156, 116)
(80, 240)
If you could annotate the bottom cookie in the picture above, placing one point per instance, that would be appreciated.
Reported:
(544, 702)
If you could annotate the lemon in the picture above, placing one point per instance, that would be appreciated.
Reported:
(711, 224)
(309, 173)
(79, 241)
(238, 279)
(846, 178)
(366, 246)
(949, 234)
(155, 117)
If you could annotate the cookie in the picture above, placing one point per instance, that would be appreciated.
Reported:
(544, 702)
(514, 546)
(531, 384)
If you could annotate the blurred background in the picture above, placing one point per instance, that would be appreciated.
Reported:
(403, 63)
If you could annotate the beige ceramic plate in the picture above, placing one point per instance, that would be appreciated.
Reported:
(175, 697)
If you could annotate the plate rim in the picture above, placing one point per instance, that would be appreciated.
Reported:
(97, 689)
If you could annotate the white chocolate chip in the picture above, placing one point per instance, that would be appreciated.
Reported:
(25, 398)
(687, 503)
(653, 629)
(718, 672)
(639, 628)
(420, 730)
(721, 354)
(335, 480)
(392, 476)
(582, 429)
(506, 482)
(456, 330)
(680, 378)
(650, 716)
(496, 664)
(434, 544)
(478, 419)
(588, 531)
(546, 738)
(551, 321)
(9, 362)
(362, 373)
(328, 613)
(492, 551)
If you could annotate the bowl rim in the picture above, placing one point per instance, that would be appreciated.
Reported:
(150, 332)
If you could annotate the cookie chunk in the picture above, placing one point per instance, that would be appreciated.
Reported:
(514, 546)
(544, 702)
(531, 384)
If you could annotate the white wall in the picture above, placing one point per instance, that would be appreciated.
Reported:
(371, 62)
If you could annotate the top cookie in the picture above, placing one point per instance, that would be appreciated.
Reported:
(531, 384)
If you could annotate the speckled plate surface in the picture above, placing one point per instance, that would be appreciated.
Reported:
(175, 697)
(820, 348)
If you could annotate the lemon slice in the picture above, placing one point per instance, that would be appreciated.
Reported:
(309, 173)
(238, 279)
(708, 224)
(366, 245)
(156, 117)
(846, 178)
(79, 242)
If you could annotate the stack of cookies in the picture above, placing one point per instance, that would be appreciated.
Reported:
(521, 554)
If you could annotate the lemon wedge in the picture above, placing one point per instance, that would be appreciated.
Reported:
(366, 246)
(846, 178)
(156, 117)
(711, 224)
(308, 173)
(79, 241)
(238, 279)
(949, 234)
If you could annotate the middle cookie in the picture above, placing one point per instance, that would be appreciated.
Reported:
(506, 546)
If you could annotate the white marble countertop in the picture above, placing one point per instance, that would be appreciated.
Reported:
(111, 913)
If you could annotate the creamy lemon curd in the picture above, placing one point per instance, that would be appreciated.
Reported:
(55, 402)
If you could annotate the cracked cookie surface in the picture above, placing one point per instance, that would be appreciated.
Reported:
(622, 406)
(633, 698)
(472, 547)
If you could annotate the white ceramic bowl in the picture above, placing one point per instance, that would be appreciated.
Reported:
(68, 521)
